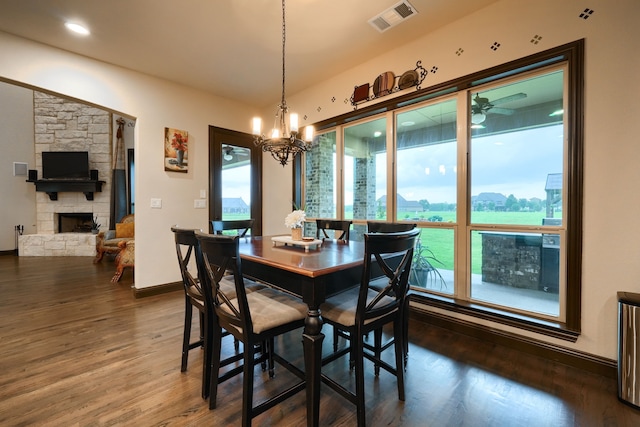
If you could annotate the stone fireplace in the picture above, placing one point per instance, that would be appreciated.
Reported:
(63, 226)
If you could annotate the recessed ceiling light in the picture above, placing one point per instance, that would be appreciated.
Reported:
(77, 28)
(377, 133)
(409, 123)
(557, 113)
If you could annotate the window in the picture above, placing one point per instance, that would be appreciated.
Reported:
(489, 167)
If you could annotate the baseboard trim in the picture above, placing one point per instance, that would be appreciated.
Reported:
(156, 290)
(9, 252)
(584, 361)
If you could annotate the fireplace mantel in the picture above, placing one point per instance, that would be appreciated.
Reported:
(53, 187)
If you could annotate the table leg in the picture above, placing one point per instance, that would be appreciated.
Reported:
(312, 339)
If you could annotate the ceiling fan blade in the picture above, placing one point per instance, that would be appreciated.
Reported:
(509, 98)
(503, 111)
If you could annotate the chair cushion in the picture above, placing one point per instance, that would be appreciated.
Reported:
(228, 286)
(341, 308)
(125, 229)
(271, 308)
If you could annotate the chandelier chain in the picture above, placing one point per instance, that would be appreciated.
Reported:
(284, 37)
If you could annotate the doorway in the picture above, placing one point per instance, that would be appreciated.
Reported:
(235, 177)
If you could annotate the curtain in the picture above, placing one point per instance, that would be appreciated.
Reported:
(119, 205)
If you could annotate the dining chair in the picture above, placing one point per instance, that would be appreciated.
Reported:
(322, 225)
(394, 227)
(363, 309)
(252, 318)
(185, 241)
(186, 244)
(389, 227)
(241, 226)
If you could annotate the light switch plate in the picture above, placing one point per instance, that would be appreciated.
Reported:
(156, 203)
(203, 194)
(199, 203)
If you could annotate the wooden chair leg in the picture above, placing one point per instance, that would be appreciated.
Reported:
(377, 349)
(247, 386)
(398, 330)
(357, 353)
(215, 349)
(186, 336)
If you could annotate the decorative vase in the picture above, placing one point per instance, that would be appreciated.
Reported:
(180, 157)
(296, 234)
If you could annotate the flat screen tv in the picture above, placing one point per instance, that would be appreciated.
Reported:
(65, 165)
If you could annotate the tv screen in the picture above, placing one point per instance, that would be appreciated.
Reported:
(65, 165)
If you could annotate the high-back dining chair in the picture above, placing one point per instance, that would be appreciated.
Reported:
(195, 296)
(389, 227)
(241, 226)
(186, 242)
(363, 309)
(252, 318)
(394, 227)
(322, 225)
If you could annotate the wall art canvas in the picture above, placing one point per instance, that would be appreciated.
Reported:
(176, 151)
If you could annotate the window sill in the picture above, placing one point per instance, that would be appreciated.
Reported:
(531, 324)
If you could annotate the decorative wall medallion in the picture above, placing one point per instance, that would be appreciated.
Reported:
(586, 13)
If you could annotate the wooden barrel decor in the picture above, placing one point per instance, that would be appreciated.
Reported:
(383, 85)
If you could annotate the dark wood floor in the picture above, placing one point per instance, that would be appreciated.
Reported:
(77, 350)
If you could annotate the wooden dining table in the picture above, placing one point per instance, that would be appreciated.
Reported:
(313, 275)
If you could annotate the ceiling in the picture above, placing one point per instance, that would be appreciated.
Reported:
(231, 48)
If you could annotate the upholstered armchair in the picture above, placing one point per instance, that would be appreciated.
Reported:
(107, 241)
(125, 258)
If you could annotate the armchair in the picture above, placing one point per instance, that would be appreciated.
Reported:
(107, 242)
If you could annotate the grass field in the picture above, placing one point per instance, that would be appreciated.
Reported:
(440, 241)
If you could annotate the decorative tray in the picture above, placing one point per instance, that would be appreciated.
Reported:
(306, 243)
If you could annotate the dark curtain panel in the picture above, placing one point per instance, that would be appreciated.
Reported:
(119, 205)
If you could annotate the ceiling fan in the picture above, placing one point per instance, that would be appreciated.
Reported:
(482, 105)
(229, 152)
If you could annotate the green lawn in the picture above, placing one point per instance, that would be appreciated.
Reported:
(440, 241)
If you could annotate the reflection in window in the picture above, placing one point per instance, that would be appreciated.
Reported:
(236, 182)
(365, 171)
(427, 164)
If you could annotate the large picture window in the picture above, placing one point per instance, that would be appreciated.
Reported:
(489, 167)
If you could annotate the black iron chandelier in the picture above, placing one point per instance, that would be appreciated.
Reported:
(284, 139)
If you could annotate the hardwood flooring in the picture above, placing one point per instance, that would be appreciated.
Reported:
(77, 350)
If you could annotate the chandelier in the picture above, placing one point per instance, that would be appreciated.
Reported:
(284, 139)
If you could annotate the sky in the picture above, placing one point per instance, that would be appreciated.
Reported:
(513, 163)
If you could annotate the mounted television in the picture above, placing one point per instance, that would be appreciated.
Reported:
(65, 165)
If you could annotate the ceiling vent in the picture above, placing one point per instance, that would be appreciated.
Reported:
(393, 16)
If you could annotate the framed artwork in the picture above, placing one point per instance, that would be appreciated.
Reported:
(176, 157)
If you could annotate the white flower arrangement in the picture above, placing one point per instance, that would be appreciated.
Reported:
(295, 219)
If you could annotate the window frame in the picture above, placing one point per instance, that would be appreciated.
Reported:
(572, 54)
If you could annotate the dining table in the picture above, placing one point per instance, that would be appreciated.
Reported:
(312, 273)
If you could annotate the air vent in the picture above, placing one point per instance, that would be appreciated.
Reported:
(393, 16)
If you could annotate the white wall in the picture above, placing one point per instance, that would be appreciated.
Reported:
(611, 231)
(18, 205)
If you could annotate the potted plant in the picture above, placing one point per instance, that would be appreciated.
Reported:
(423, 272)
(95, 227)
